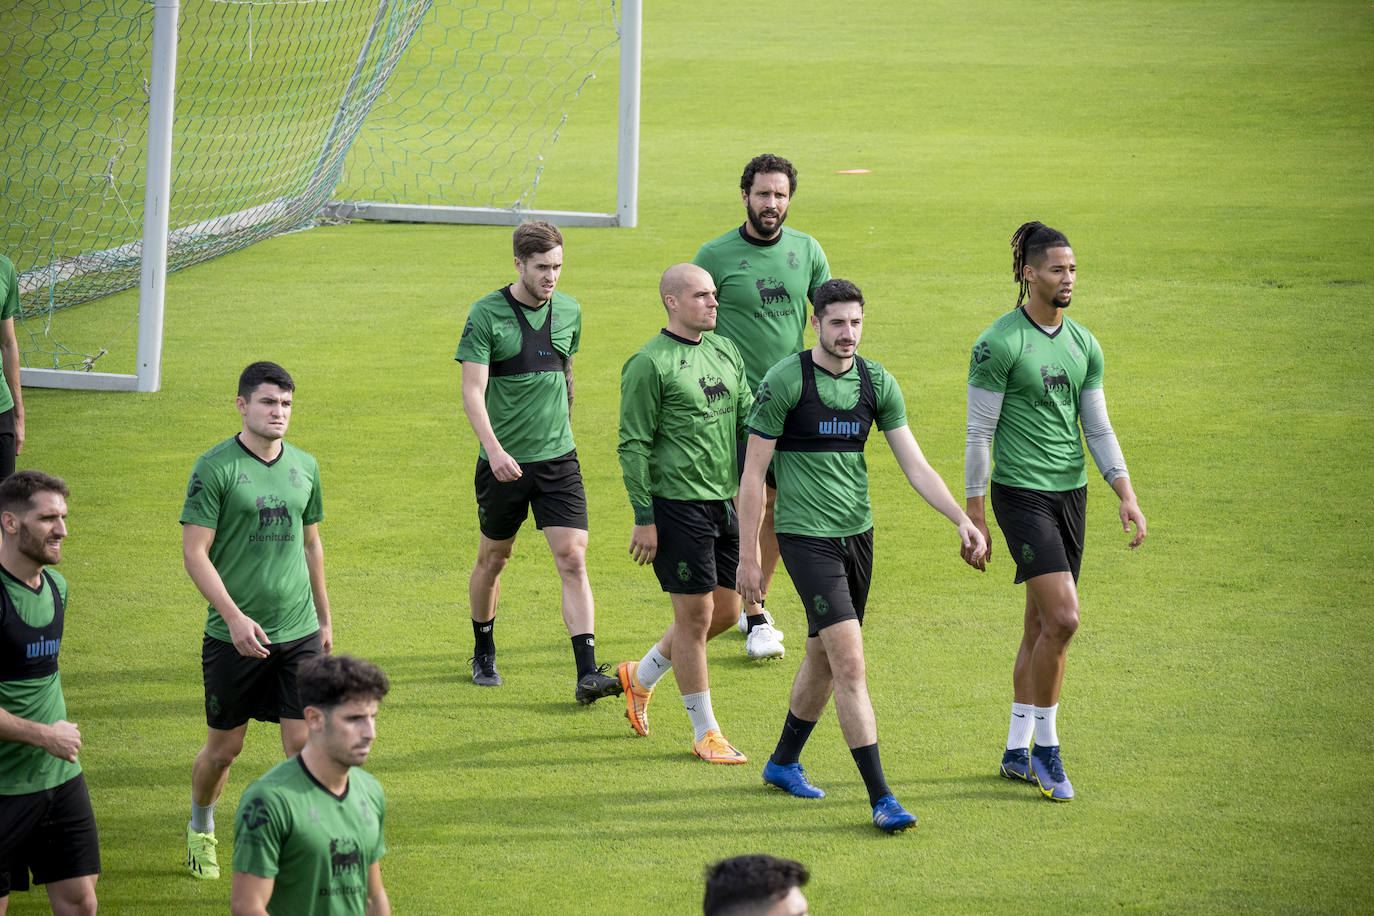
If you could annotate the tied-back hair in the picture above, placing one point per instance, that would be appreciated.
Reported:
(1028, 243)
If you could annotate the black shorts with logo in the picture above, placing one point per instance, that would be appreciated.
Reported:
(553, 488)
(239, 688)
(1043, 529)
(50, 833)
(831, 575)
(698, 545)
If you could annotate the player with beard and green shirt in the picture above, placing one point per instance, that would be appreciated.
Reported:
(811, 418)
(765, 274)
(1034, 377)
(683, 399)
(47, 826)
(251, 544)
(308, 837)
(516, 352)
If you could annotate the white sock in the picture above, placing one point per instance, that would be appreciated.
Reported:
(699, 711)
(1045, 733)
(1022, 724)
(652, 667)
(203, 818)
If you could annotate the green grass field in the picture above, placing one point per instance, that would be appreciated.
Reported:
(1209, 162)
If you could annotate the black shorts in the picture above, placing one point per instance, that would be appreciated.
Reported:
(740, 448)
(831, 575)
(8, 440)
(553, 488)
(1043, 530)
(698, 545)
(239, 688)
(50, 833)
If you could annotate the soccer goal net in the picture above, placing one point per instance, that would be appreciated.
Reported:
(284, 111)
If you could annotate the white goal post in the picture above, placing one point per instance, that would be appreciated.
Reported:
(364, 117)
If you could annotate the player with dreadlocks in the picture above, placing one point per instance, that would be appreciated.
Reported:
(1034, 377)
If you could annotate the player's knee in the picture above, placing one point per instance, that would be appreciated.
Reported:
(571, 561)
(1062, 624)
(491, 562)
(76, 898)
(222, 753)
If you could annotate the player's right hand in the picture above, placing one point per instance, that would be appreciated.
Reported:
(644, 543)
(63, 740)
(749, 580)
(979, 562)
(249, 638)
(503, 467)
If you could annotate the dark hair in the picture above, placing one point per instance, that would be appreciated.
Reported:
(264, 373)
(835, 290)
(766, 164)
(535, 237)
(737, 884)
(16, 493)
(325, 681)
(1029, 243)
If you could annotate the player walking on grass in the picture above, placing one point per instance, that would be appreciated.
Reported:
(250, 541)
(308, 835)
(47, 826)
(1034, 377)
(11, 392)
(811, 418)
(765, 275)
(683, 400)
(516, 350)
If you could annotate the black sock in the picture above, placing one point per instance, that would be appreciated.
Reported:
(754, 620)
(795, 731)
(871, 769)
(584, 653)
(484, 638)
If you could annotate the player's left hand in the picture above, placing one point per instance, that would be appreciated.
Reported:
(644, 543)
(327, 637)
(18, 433)
(1130, 512)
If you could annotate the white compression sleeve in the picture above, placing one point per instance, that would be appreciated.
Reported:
(1097, 432)
(984, 407)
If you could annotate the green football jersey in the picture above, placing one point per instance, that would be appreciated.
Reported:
(25, 768)
(763, 289)
(9, 308)
(822, 493)
(317, 846)
(682, 410)
(528, 411)
(1037, 444)
(258, 511)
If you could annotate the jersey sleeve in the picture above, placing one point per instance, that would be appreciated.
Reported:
(314, 506)
(10, 307)
(776, 396)
(820, 269)
(990, 364)
(1093, 378)
(379, 848)
(640, 400)
(475, 344)
(745, 405)
(891, 404)
(260, 827)
(577, 328)
(204, 496)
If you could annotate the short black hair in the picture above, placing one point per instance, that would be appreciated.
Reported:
(263, 373)
(740, 883)
(835, 290)
(767, 164)
(325, 681)
(1029, 243)
(18, 489)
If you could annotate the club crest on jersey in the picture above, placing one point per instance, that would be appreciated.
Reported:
(981, 353)
(792, 261)
(295, 478)
(713, 387)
